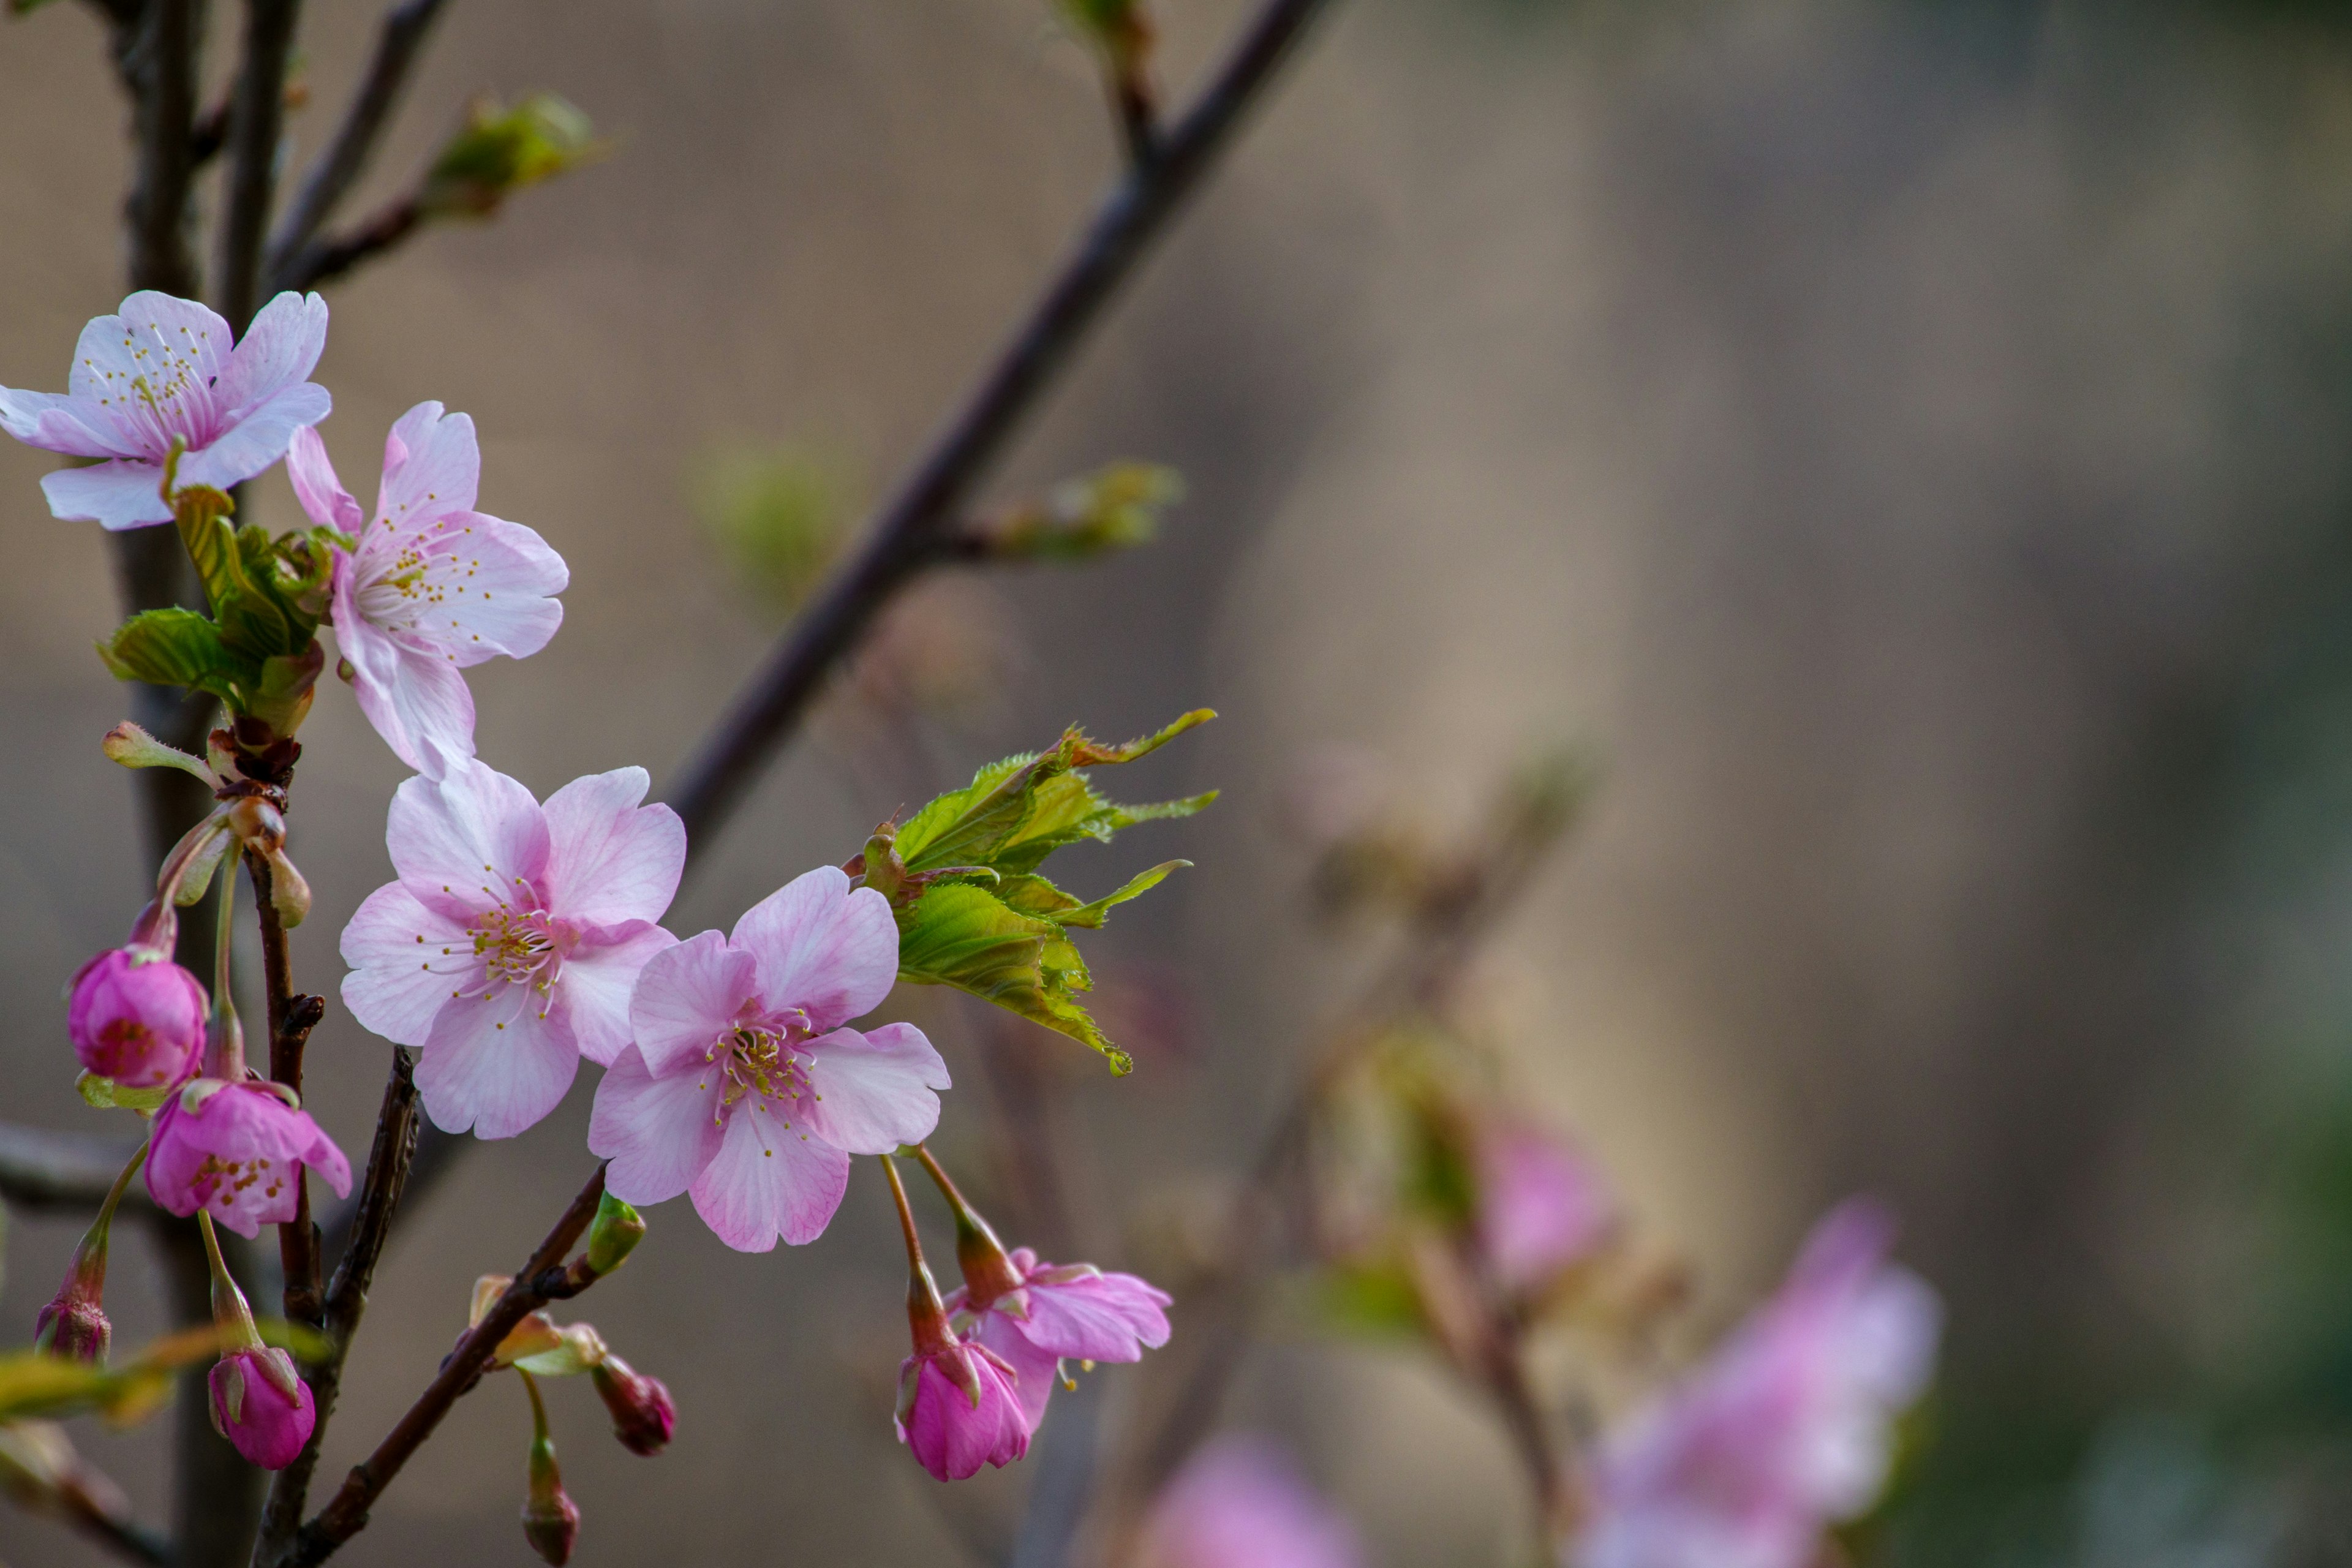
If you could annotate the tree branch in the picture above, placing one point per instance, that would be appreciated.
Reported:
(543, 1280)
(70, 1170)
(379, 1197)
(909, 534)
(255, 121)
(321, 260)
(339, 168)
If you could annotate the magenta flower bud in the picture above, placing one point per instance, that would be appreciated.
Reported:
(550, 1520)
(643, 1413)
(73, 1326)
(238, 1150)
(960, 1408)
(259, 1404)
(137, 1018)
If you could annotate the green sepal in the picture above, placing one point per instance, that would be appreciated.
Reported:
(613, 1233)
(105, 1094)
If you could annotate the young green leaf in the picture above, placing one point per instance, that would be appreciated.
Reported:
(175, 647)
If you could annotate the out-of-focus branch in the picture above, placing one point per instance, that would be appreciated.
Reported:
(71, 1170)
(323, 260)
(908, 536)
(255, 123)
(378, 1199)
(398, 43)
(543, 1280)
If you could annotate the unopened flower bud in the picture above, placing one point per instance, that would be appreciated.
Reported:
(73, 1327)
(614, 1235)
(550, 1520)
(642, 1413)
(137, 1018)
(258, 824)
(261, 1405)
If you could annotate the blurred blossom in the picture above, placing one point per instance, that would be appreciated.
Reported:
(778, 517)
(1241, 1503)
(1787, 1429)
(1542, 1206)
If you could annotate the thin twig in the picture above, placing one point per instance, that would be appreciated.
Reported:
(543, 1280)
(906, 537)
(398, 43)
(255, 124)
(379, 1198)
(291, 1019)
(321, 260)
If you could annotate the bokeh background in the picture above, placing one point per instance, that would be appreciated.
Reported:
(1906, 441)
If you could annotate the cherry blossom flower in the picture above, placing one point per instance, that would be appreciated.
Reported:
(1240, 1500)
(960, 1408)
(261, 1405)
(1542, 1208)
(744, 1087)
(431, 587)
(1072, 1312)
(508, 947)
(238, 1150)
(162, 370)
(1786, 1429)
(137, 1018)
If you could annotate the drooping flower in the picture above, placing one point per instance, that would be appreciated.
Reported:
(73, 1325)
(1541, 1206)
(644, 1415)
(507, 948)
(137, 1018)
(261, 1405)
(162, 370)
(960, 1408)
(430, 587)
(1788, 1428)
(238, 1150)
(1068, 1312)
(1241, 1501)
(744, 1087)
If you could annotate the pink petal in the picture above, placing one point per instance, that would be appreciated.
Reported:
(598, 979)
(278, 351)
(495, 587)
(823, 948)
(874, 1090)
(116, 495)
(258, 440)
(687, 997)
(497, 1065)
(393, 943)
(1037, 1370)
(320, 491)
(414, 698)
(1240, 1500)
(1111, 1317)
(462, 843)
(660, 1133)
(609, 860)
(767, 1182)
(151, 369)
(61, 424)
(432, 466)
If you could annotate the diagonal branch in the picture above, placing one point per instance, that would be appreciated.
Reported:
(44, 1170)
(257, 118)
(913, 530)
(339, 168)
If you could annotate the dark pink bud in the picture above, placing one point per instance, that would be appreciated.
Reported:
(643, 1413)
(259, 1404)
(960, 1408)
(550, 1520)
(73, 1326)
(137, 1018)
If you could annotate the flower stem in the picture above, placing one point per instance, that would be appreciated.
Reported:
(906, 1214)
(988, 1273)
(231, 1316)
(225, 1058)
(927, 1315)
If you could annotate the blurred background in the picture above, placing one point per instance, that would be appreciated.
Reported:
(1904, 442)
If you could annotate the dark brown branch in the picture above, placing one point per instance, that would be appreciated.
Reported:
(324, 259)
(126, 1538)
(255, 121)
(378, 1199)
(907, 535)
(339, 168)
(210, 133)
(157, 61)
(70, 1170)
(542, 1280)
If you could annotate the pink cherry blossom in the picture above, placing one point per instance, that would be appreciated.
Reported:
(160, 371)
(508, 947)
(1241, 1501)
(260, 1405)
(431, 587)
(744, 1088)
(137, 1018)
(1542, 1207)
(238, 1150)
(1072, 1312)
(1786, 1429)
(960, 1408)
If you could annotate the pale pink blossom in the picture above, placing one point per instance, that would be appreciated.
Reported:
(137, 1018)
(744, 1088)
(1542, 1208)
(1070, 1312)
(1787, 1429)
(1240, 1503)
(160, 371)
(508, 947)
(259, 1404)
(431, 587)
(238, 1150)
(960, 1408)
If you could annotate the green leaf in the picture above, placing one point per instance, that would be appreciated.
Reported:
(1376, 1299)
(176, 647)
(965, 936)
(500, 151)
(1116, 507)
